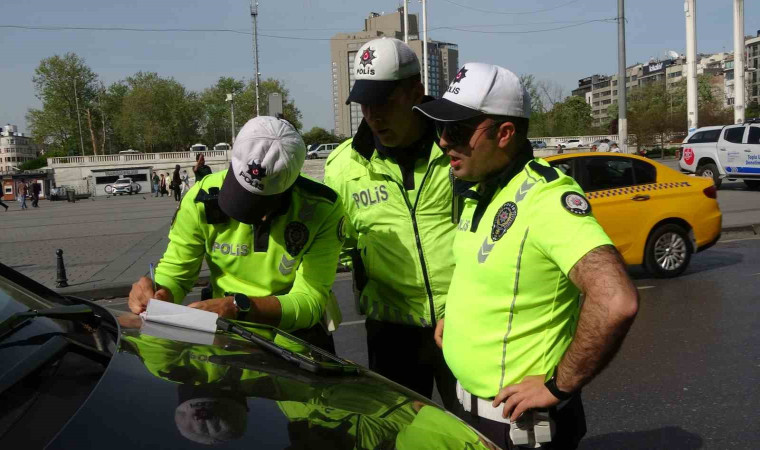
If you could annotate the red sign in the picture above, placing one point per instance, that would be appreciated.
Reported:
(688, 156)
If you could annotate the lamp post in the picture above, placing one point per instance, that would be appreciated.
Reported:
(79, 120)
(231, 99)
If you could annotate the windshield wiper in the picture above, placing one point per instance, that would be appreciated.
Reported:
(315, 360)
(19, 319)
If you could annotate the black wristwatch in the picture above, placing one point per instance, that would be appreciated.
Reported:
(242, 303)
(552, 386)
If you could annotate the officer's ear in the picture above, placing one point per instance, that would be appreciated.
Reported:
(506, 133)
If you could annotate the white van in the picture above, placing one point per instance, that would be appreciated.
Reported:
(731, 152)
(198, 148)
(320, 151)
(222, 146)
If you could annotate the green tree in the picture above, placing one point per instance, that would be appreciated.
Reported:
(41, 161)
(216, 118)
(319, 135)
(752, 111)
(111, 101)
(158, 114)
(571, 117)
(61, 83)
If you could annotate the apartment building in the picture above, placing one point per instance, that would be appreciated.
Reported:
(443, 62)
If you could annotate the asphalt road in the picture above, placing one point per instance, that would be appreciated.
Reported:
(686, 376)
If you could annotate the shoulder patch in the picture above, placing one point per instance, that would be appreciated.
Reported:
(547, 172)
(296, 236)
(504, 219)
(341, 229)
(316, 188)
(576, 203)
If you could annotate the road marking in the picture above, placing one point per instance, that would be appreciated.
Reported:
(354, 322)
(737, 240)
(645, 287)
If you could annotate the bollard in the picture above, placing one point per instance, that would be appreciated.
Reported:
(61, 281)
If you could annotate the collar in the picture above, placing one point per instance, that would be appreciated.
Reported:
(364, 140)
(487, 187)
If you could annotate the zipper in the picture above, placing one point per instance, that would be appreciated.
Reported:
(413, 213)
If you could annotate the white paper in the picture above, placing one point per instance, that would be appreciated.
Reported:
(180, 316)
(176, 333)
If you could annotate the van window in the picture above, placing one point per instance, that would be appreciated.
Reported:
(754, 135)
(697, 137)
(705, 136)
(734, 135)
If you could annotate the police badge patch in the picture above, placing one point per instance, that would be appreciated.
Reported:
(341, 229)
(576, 203)
(504, 219)
(296, 236)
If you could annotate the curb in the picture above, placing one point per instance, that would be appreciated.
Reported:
(752, 228)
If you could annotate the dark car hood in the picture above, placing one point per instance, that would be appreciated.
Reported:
(174, 388)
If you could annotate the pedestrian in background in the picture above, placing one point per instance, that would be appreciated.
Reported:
(22, 191)
(35, 194)
(176, 183)
(559, 149)
(3, 204)
(201, 169)
(156, 184)
(162, 185)
(515, 334)
(395, 185)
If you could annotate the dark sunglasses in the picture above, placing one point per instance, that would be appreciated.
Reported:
(459, 133)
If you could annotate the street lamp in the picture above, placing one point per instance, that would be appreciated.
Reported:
(230, 98)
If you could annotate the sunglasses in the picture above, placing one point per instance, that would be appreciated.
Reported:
(460, 133)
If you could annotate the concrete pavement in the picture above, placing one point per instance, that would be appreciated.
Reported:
(108, 243)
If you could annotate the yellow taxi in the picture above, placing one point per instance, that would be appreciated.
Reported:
(655, 216)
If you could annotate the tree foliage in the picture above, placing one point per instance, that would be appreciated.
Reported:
(319, 135)
(62, 83)
(144, 111)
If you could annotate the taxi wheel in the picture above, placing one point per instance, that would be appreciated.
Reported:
(710, 170)
(668, 251)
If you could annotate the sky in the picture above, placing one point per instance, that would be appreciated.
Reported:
(527, 42)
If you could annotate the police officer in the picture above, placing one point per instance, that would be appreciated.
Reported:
(395, 185)
(269, 235)
(526, 248)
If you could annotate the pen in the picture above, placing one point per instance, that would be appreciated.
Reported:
(153, 277)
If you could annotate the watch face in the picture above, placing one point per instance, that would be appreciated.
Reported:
(243, 302)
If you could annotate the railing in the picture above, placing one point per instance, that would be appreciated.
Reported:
(211, 155)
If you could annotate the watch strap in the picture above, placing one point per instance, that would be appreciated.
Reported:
(552, 386)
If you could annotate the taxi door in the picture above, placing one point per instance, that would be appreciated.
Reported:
(618, 200)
